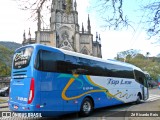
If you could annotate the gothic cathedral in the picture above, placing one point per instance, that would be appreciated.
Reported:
(65, 32)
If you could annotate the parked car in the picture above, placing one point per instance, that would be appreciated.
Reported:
(4, 91)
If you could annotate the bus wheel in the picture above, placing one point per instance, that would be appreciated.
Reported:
(138, 99)
(86, 107)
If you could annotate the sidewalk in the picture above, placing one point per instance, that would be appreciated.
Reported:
(3, 105)
(146, 109)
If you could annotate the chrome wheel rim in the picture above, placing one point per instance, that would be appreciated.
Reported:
(86, 107)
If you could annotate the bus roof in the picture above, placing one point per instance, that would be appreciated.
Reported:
(111, 61)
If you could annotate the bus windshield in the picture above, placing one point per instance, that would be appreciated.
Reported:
(22, 58)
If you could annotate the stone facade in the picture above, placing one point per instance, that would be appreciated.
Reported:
(65, 32)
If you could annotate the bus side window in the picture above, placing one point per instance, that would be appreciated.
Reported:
(49, 61)
(141, 80)
(70, 64)
(60, 64)
(84, 66)
(140, 77)
(37, 61)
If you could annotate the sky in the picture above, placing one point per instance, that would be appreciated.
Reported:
(14, 21)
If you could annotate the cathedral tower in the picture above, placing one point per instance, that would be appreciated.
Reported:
(65, 24)
(64, 30)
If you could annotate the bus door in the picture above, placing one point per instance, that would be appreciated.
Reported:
(144, 87)
(146, 91)
(49, 88)
(140, 78)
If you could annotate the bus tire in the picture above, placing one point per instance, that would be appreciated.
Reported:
(86, 107)
(138, 101)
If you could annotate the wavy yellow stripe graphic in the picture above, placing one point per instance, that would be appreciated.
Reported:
(102, 89)
(106, 91)
(75, 97)
(121, 95)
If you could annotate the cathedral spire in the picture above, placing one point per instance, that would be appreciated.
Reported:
(96, 37)
(24, 36)
(29, 34)
(82, 28)
(75, 5)
(99, 39)
(89, 25)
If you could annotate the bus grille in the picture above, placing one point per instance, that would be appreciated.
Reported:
(19, 74)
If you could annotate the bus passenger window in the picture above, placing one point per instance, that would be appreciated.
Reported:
(141, 80)
(47, 61)
(140, 77)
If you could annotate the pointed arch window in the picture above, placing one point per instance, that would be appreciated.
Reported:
(85, 52)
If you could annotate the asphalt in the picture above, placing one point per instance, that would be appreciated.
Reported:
(145, 111)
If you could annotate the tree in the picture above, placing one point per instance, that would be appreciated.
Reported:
(154, 20)
(4, 69)
(147, 54)
(119, 20)
(127, 55)
(38, 6)
(116, 20)
(5, 61)
(149, 65)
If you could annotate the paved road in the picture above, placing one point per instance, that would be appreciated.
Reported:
(155, 91)
(103, 113)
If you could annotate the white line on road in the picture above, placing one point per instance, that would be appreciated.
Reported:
(153, 97)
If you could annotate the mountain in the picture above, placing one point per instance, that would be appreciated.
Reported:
(6, 54)
(158, 55)
(10, 45)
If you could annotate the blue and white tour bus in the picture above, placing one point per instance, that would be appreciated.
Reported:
(47, 79)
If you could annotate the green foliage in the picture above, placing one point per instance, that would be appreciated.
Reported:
(6, 54)
(149, 64)
(5, 61)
